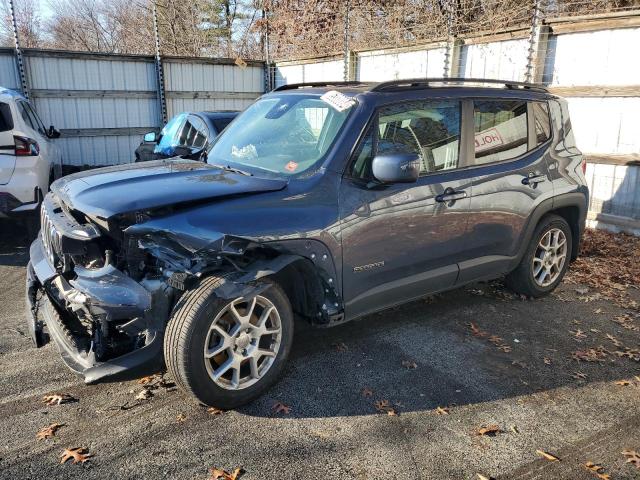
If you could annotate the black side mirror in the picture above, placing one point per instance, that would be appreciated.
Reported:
(52, 132)
(396, 167)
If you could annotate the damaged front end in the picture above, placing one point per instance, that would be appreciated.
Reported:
(105, 294)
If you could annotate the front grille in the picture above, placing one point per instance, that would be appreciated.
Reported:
(51, 238)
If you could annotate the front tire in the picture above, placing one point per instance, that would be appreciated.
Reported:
(227, 352)
(546, 259)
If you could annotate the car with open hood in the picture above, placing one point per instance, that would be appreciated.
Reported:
(325, 202)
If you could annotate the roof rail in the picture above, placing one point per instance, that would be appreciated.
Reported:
(426, 83)
(293, 86)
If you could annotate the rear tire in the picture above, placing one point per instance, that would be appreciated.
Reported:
(207, 334)
(545, 260)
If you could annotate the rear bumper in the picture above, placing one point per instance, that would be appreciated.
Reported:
(105, 295)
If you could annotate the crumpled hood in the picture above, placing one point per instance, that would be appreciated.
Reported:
(105, 192)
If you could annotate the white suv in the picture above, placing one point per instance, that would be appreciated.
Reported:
(29, 160)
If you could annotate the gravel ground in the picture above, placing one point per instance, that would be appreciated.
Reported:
(526, 382)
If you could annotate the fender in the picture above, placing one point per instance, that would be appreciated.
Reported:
(572, 199)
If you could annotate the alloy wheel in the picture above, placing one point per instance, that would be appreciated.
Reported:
(242, 342)
(549, 257)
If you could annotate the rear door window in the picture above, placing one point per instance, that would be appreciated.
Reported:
(24, 113)
(39, 126)
(541, 118)
(500, 128)
(6, 120)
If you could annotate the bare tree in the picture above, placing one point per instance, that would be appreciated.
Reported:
(114, 26)
(28, 20)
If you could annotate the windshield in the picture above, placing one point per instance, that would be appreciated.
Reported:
(286, 134)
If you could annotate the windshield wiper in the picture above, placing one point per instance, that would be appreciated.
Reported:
(229, 168)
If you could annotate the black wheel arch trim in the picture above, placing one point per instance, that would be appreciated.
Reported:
(577, 200)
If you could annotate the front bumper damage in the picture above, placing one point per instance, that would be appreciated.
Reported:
(105, 294)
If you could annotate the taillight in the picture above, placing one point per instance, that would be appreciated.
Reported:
(26, 147)
(584, 166)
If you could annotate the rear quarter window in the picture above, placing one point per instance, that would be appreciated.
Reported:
(6, 120)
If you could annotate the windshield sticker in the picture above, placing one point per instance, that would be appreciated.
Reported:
(291, 166)
(248, 151)
(338, 100)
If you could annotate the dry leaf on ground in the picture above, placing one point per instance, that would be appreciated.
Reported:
(409, 365)
(281, 408)
(367, 392)
(384, 406)
(144, 395)
(590, 355)
(442, 410)
(48, 432)
(598, 470)
(578, 334)
(79, 455)
(548, 456)
(482, 477)
(181, 417)
(147, 379)
(632, 457)
(579, 375)
(547, 361)
(623, 383)
(340, 347)
(489, 431)
(215, 411)
(58, 399)
(219, 474)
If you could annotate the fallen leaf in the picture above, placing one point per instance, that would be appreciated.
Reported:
(582, 290)
(144, 395)
(79, 455)
(597, 310)
(58, 399)
(548, 456)
(181, 417)
(367, 392)
(597, 469)
(147, 379)
(215, 411)
(590, 355)
(623, 383)
(579, 375)
(442, 411)
(340, 347)
(384, 406)
(476, 331)
(48, 432)
(614, 340)
(578, 334)
(547, 361)
(219, 474)
(281, 408)
(632, 457)
(409, 365)
(514, 429)
(504, 348)
(489, 431)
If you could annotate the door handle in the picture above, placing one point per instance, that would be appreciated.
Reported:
(534, 180)
(450, 195)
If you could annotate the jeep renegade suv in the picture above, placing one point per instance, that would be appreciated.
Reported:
(325, 201)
